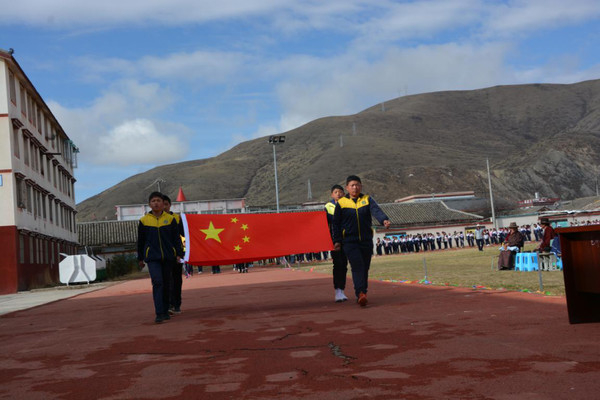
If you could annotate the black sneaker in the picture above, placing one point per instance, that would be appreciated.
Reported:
(159, 319)
(166, 317)
(176, 310)
(171, 310)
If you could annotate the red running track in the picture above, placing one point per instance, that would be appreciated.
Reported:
(277, 334)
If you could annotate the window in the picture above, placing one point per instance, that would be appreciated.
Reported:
(32, 155)
(12, 87)
(23, 97)
(16, 147)
(44, 206)
(29, 109)
(38, 118)
(26, 149)
(50, 208)
(21, 193)
(34, 201)
(29, 190)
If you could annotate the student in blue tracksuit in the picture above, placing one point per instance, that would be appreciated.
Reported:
(353, 233)
(159, 245)
(340, 262)
(177, 268)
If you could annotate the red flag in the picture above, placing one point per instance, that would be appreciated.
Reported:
(219, 239)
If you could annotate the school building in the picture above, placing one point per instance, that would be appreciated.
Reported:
(37, 185)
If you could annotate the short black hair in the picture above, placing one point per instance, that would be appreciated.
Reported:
(155, 194)
(166, 198)
(353, 178)
(336, 186)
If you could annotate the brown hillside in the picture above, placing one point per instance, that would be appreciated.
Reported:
(539, 138)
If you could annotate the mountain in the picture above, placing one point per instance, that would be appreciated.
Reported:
(538, 138)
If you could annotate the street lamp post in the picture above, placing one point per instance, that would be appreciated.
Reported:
(276, 140)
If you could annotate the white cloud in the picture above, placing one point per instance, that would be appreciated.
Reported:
(122, 123)
(528, 15)
(348, 84)
(138, 142)
(421, 19)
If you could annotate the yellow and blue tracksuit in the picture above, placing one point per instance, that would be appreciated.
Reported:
(352, 228)
(340, 262)
(158, 238)
(159, 245)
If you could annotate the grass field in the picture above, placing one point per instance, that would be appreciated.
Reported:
(461, 267)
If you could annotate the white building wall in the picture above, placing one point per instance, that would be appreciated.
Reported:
(136, 211)
(7, 194)
(12, 166)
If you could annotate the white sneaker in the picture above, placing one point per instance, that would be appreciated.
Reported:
(340, 296)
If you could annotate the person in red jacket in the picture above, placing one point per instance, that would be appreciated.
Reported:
(547, 236)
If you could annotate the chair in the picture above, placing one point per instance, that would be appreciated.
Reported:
(526, 262)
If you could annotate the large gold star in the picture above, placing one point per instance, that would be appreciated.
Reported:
(212, 233)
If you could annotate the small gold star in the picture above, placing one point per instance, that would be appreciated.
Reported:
(244, 227)
(246, 239)
(237, 248)
(234, 220)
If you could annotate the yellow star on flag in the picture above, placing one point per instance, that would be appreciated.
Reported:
(237, 248)
(212, 233)
(234, 220)
(246, 239)
(244, 227)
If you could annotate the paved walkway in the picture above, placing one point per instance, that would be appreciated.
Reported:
(24, 300)
(277, 334)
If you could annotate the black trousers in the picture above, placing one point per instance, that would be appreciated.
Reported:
(340, 269)
(359, 255)
(176, 283)
(480, 244)
(160, 275)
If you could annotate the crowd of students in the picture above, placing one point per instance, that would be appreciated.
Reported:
(397, 244)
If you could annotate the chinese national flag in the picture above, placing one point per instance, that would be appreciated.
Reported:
(221, 239)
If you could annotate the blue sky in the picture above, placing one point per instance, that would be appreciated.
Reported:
(138, 84)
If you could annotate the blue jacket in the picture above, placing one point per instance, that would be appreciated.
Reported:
(158, 238)
(352, 219)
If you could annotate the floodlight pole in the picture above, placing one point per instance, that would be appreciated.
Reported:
(487, 160)
(276, 183)
(274, 140)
